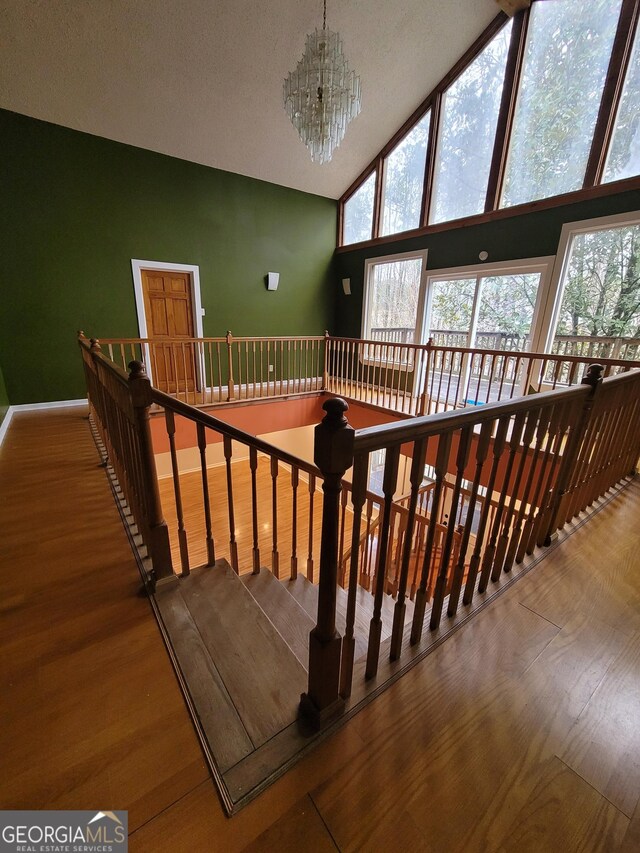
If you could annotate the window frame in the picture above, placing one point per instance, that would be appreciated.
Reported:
(365, 326)
(553, 303)
(543, 265)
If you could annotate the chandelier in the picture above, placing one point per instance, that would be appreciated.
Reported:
(322, 95)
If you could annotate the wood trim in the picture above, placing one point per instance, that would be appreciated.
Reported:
(597, 191)
(378, 199)
(612, 92)
(467, 57)
(512, 75)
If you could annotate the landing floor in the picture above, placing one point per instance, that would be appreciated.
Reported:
(519, 732)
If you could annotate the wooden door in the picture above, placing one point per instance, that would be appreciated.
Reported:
(169, 311)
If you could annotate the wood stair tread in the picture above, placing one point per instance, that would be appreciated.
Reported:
(290, 619)
(306, 594)
(261, 673)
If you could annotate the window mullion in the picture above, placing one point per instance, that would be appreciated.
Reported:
(618, 64)
(475, 310)
(378, 199)
(430, 164)
(512, 74)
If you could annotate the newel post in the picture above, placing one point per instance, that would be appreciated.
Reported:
(593, 378)
(333, 454)
(158, 544)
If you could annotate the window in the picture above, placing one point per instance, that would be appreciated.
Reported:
(404, 180)
(565, 65)
(599, 313)
(393, 297)
(490, 308)
(467, 132)
(358, 213)
(624, 154)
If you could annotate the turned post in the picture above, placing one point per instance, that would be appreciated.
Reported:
(333, 454)
(158, 544)
(231, 385)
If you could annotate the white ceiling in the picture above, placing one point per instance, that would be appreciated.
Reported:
(202, 79)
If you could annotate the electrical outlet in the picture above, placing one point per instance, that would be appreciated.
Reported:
(270, 368)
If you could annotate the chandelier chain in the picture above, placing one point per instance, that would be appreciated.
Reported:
(324, 16)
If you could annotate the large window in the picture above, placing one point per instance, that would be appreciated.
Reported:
(394, 289)
(404, 179)
(599, 311)
(566, 60)
(624, 154)
(545, 104)
(358, 213)
(467, 133)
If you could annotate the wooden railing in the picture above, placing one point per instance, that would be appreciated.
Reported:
(520, 470)
(506, 476)
(206, 371)
(200, 513)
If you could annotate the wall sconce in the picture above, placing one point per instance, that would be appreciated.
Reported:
(271, 280)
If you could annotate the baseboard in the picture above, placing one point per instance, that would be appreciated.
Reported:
(4, 426)
(54, 404)
(34, 407)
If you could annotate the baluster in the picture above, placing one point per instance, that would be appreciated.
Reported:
(399, 610)
(219, 362)
(490, 550)
(499, 561)
(593, 378)
(312, 492)
(268, 371)
(343, 515)
(365, 576)
(186, 373)
(275, 555)
(202, 447)
(482, 450)
(389, 482)
(486, 516)
(182, 533)
(209, 390)
(253, 466)
(231, 385)
(525, 499)
(328, 351)
(358, 493)
(442, 462)
(233, 545)
(464, 444)
(295, 475)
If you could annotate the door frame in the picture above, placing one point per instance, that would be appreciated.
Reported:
(137, 266)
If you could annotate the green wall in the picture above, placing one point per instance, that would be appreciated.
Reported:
(75, 209)
(528, 235)
(4, 398)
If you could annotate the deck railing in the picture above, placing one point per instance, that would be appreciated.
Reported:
(586, 346)
(420, 379)
(506, 476)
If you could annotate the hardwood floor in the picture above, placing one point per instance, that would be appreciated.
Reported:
(519, 732)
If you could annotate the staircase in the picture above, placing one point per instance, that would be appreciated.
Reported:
(242, 646)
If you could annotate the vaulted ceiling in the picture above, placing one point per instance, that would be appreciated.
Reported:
(202, 79)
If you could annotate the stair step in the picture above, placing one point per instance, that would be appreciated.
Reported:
(263, 676)
(291, 620)
(306, 594)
